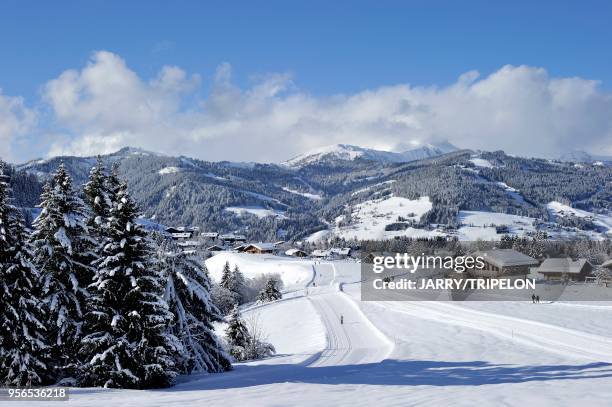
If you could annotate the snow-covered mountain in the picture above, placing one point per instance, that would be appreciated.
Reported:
(332, 192)
(348, 152)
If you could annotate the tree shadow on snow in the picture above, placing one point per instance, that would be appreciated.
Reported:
(396, 373)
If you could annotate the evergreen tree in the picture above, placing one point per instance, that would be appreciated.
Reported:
(238, 285)
(246, 342)
(127, 344)
(237, 336)
(270, 293)
(188, 291)
(23, 348)
(60, 253)
(226, 276)
(97, 192)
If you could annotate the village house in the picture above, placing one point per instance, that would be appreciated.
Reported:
(565, 269)
(240, 248)
(231, 238)
(260, 248)
(181, 233)
(210, 235)
(215, 248)
(341, 253)
(503, 262)
(296, 253)
(319, 253)
(333, 253)
(189, 243)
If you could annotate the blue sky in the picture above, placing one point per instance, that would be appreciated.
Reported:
(329, 49)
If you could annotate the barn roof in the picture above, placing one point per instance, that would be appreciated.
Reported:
(507, 258)
(562, 265)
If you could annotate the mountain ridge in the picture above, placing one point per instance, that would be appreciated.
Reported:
(349, 152)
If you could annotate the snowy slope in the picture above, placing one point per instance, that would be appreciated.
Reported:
(295, 273)
(481, 162)
(404, 353)
(557, 209)
(258, 211)
(481, 225)
(370, 218)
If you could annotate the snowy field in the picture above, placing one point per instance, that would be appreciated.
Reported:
(481, 225)
(398, 353)
(370, 218)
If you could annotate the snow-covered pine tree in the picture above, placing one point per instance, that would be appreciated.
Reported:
(128, 344)
(187, 292)
(60, 253)
(246, 340)
(98, 195)
(237, 285)
(23, 348)
(113, 182)
(226, 276)
(237, 336)
(270, 293)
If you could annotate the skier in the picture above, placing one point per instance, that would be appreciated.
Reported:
(341, 319)
(533, 298)
(537, 299)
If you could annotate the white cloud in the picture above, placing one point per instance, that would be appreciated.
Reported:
(521, 110)
(15, 121)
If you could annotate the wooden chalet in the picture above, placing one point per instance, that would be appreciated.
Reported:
(565, 269)
(296, 253)
(503, 263)
(260, 248)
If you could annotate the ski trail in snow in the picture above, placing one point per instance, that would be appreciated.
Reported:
(354, 342)
(551, 338)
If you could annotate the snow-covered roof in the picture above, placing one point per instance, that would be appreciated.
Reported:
(293, 252)
(210, 234)
(607, 263)
(189, 243)
(214, 248)
(319, 253)
(232, 237)
(562, 265)
(181, 235)
(262, 246)
(507, 258)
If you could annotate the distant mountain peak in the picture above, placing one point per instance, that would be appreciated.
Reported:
(126, 151)
(348, 152)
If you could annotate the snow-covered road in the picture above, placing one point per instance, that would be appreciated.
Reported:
(353, 341)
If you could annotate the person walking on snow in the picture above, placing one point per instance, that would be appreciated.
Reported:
(341, 319)
(533, 298)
